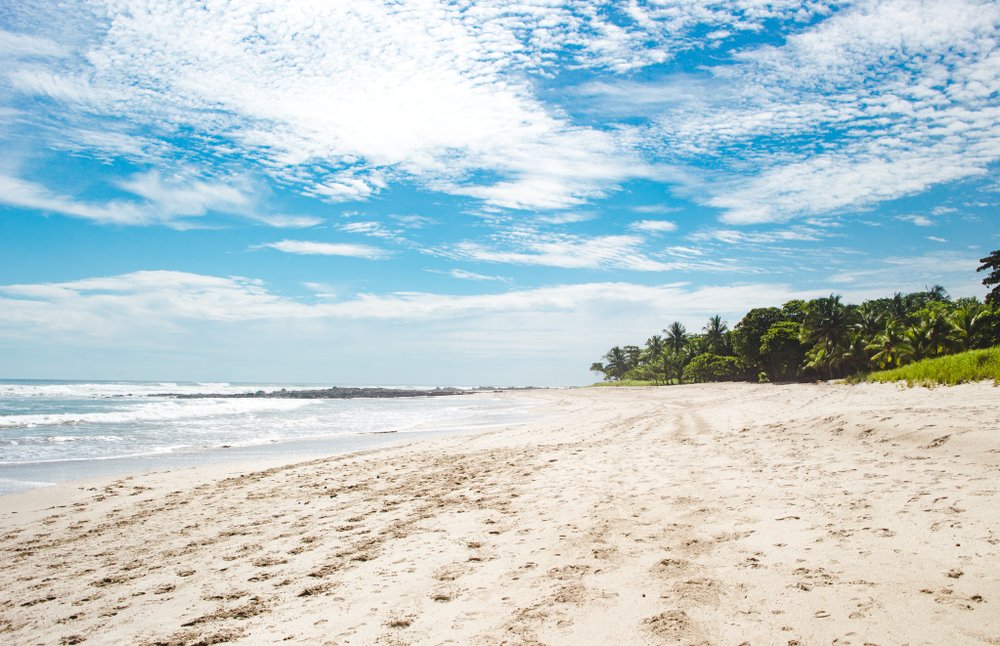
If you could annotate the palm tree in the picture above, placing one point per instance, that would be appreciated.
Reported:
(655, 348)
(673, 363)
(871, 319)
(967, 321)
(677, 341)
(991, 263)
(937, 293)
(634, 354)
(898, 308)
(597, 366)
(916, 342)
(933, 332)
(617, 363)
(825, 328)
(715, 335)
(889, 347)
(676, 336)
(855, 351)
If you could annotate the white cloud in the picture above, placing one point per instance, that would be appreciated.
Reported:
(170, 202)
(304, 247)
(76, 90)
(29, 195)
(563, 168)
(566, 251)
(109, 144)
(162, 299)
(368, 228)
(525, 244)
(880, 100)
(222, 323)
(468, 275)
(286, 221)
(654, 226)
(678, 250)
(345, 186)
(185, 196)
(734, 236)
(398, 235)
(14, 44)
(667, 298)
(838, 181)
(655, 209)
(621, 98)
(321, 290)
(342, 98)
(840, 51)
(413, 221)
(936, 239)
(567, 217)
(364, 227)
(186, 324)
(919, 220)
(956, 271)
(623, 44)
(94, 305)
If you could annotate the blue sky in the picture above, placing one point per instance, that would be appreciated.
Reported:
(492, 192)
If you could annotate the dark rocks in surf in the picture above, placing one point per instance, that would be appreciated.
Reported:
(324, 393)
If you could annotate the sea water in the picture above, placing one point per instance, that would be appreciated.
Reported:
(54, 431)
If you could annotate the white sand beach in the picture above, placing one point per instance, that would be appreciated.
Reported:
(721, 514)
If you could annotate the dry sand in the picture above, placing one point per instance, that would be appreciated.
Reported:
(723, 514)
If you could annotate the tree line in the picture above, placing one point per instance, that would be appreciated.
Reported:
(824, 338)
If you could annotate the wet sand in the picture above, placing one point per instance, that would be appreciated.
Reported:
(720, 514)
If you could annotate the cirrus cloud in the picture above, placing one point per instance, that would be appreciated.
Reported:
(310, 248)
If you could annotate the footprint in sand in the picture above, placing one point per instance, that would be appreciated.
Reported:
(672, 624)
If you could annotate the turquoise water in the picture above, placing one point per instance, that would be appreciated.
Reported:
(54, 431)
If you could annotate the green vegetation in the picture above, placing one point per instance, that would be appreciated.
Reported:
(627, 383)
(974, 365)
(824, 338)
(991, 263)
(711, 367)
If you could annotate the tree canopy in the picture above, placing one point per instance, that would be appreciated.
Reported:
(823, 338)
(991, 264)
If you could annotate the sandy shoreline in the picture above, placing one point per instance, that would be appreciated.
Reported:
(722, 514)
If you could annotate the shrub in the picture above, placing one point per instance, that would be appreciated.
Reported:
(711, 367)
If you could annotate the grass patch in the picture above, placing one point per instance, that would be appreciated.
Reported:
(964, 367)
(625, 383)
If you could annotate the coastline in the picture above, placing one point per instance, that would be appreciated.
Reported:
(98, 434)
(719, 514)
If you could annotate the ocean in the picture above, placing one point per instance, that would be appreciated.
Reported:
(56, 431)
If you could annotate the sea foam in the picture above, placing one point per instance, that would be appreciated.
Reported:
(54, 431)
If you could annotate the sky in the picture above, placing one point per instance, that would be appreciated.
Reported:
(472, 193)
